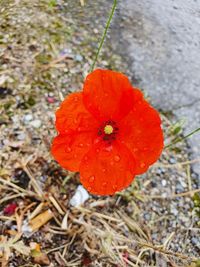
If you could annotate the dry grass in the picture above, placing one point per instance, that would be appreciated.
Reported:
(100, 234)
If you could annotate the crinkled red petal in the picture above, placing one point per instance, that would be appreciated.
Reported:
(141, 132)
(69, 149)
(106, 169)
(108, 94)
(73, 116)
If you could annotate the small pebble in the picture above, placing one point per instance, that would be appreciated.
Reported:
(174, 211)
(21, 136)
(164, 182)
(36, 123)
(28, 117)
(50, 99)
(78, 58)
(172, 161)
(80, 196)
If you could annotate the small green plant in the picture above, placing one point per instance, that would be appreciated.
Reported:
(52, 3)
(196, 200)
(177, 128)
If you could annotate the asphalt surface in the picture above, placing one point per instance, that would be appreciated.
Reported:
(161, 40)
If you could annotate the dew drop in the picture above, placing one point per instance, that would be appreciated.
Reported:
(111, 163)
(97, 150)
(142, 164)
(80, 145)
(85, 158)
(109, 148)
(68, 149)
(96, 140)
(75, 156)
(117, 158)
(89, 188)
(104, 184)
(91, 179)
(114, 187)
(79, 129)
(104, 170)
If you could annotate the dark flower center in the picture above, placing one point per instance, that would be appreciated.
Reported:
(108, 131)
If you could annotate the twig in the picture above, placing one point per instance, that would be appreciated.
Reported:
(11, 197)
(184, 194)
(18, 189)
(56, 205)
(35, 185)
(167, 252)
(55, 61)
(188, 162)
(82, 2)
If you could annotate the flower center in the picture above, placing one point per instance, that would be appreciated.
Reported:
(108, 129)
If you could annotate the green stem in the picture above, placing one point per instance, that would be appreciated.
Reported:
(104, 34)
(179, 139)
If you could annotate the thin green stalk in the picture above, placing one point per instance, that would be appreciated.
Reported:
(104, 34)
(179, 139)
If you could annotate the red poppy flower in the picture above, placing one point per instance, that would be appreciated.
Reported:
(108, 132)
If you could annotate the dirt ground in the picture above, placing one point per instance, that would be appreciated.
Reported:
(46, 50)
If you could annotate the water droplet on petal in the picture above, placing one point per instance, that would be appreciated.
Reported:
(117, 158)
(96, 140)
(104, 170)
(75, 156)
(81, 145)
(68, 149)
(75, 98)
(114, 187)
(108, 148)
(79, 129)
(91, 179)
(142, 164)
(89, 188)
(85, 158)
(104, 184)
(97, 150)
(111, 163)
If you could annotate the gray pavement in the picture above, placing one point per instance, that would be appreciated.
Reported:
(161, 39)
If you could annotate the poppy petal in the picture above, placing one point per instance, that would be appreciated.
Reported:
(73, 116)
(108, 94)
(68, 150)
(141, 132)
(106, 169)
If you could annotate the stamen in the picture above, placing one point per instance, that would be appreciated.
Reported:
(108, 129)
